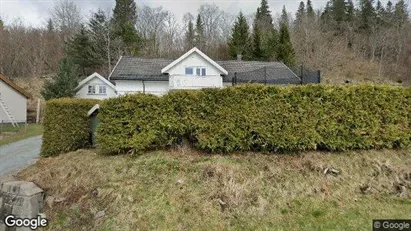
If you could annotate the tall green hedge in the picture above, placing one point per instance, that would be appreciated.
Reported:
(66, 125)
(260, 118)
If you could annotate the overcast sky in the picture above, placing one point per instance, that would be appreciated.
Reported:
(36, 12)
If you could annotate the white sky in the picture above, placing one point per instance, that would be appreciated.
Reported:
(36, 12)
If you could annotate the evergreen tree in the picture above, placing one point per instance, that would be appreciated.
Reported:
(263, 16)
(50, 26)
(101, 37)
(285, 51)
(239, 43)
(367, 15)
(300, 15)
(349, 11)
(258, 53)
(190, 36)
(199, 35)
(62, 84)
(284, 17)
(124, 19)
(81, 52)
(310, 10)
(400, 13)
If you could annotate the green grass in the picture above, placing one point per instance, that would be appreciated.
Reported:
(12, 134)
(184, 190)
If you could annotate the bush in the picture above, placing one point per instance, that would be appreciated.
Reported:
(66, 125)
(260, 118)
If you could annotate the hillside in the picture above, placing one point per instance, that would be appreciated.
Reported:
(185, 190)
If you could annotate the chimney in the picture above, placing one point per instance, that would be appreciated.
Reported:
(239, 57)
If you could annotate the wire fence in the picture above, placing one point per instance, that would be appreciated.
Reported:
(278, 75)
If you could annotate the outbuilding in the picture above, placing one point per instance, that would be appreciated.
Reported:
(13, 102)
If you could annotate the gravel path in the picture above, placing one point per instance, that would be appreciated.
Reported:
(18, 155)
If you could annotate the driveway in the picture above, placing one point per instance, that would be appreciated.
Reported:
(18, 155)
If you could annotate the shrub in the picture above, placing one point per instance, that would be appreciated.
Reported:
(66, 125)
(260, 118)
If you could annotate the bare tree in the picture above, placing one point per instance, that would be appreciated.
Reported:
(66, 17)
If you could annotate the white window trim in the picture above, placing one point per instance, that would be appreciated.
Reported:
(96, 89)
(195, 68)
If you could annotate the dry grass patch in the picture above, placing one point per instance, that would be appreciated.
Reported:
(185, 190)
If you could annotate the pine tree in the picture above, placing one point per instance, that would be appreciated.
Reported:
(400, 13)
(284, 16)
(199, 35)
(62, 84)
(101, 37)
(285, 51)
(239, 43)
(349, 8)
(264, 31)
(124, 19)
(310, 10)
(50, 26)
(367, 15)
(258, 53)
(300, 15)
(190, 36)
(81, 52)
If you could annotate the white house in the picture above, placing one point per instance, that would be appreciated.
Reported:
(95, 86)
(193, 70)
(13, 102)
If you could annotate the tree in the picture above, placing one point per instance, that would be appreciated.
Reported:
(284, 17)
(258, 53)
(62, 84)
(239, 43)
(81, 52)
(367, 15)
(190, 36)
(199, 33)
(50, 26)
(285, 51)
(102, 36)
(66, 17)
(300, 15)
(124, 19)
(310, 10)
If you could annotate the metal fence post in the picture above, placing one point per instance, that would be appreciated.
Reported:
(265, 75)
(319, 76)
(235, 78)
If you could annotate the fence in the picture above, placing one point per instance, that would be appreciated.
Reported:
(278, 75)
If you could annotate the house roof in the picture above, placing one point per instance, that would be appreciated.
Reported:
(136, 68)
(92, 76)
(194, 50)
(15, 86)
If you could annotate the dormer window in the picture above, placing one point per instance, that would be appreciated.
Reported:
(198, 71)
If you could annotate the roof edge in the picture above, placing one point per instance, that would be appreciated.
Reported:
(15, 86)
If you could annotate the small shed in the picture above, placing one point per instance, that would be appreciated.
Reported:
(92, 113)
(13, 102)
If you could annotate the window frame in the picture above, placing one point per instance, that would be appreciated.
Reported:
(199, 71)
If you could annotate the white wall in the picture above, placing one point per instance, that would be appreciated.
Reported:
(194, 60)
(16, 102)
(83, 92)
(134, 86)
(195, 82)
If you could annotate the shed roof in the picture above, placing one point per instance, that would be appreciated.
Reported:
(15, 86)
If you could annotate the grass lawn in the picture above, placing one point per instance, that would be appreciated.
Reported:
(12, 134)
(185, 190)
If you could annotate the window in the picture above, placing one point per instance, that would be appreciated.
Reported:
(91, 89)
(199, 71)
(97, 89)
(102, 90)
(189, 70)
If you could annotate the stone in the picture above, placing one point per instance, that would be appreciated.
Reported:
(100, 214)
(21, 199)
(50, 201)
